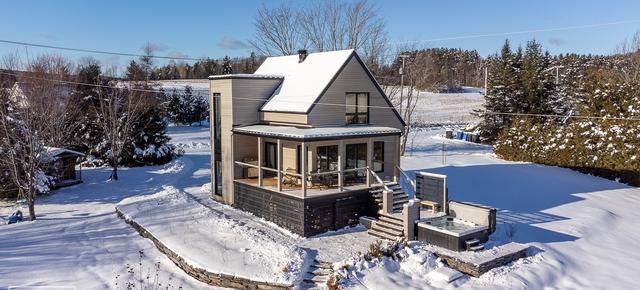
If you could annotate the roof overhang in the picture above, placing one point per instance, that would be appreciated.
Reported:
(245, 76)
(316, 134)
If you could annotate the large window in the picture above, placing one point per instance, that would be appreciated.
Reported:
(327, 158)
(357, 108)
(378, 156)
(356, 155)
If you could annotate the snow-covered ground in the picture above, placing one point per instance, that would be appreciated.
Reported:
(215, 237)
(77, 239)
(442, 108)
(178, 85)
(583, 228)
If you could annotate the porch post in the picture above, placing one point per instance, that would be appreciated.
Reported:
(279, 165)
(303, 170)
(341, 160)
(260, 150)
(369, 163)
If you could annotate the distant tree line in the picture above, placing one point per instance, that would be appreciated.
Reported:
(139, 70)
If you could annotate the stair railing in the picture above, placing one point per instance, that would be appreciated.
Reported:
(387, 193)
(378, 179)
(407, 177)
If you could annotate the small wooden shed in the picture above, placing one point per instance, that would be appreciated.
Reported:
(63, 167)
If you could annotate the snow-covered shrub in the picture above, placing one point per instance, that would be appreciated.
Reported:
(606, 145)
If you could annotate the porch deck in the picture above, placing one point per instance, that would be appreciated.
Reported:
(296, 190)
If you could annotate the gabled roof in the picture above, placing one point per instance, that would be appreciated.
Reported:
(303, 82)
(54, 152)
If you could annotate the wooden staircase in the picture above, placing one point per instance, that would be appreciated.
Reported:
(399, 196)
(387, 227)
(317, 276)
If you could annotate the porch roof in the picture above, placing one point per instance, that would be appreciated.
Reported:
(316, 134)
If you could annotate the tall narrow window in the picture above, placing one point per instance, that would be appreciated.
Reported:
(357, 110)
(270, 155)
(217, 118)
(217, 156)
(218, 177)
(356, 155)
(378, 156)
(299, 159)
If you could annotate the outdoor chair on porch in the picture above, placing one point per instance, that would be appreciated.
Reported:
(323, 181)
(290, 178)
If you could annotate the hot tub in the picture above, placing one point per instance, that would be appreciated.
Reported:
(450, 233)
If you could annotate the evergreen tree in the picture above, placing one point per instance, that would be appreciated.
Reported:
(149, 144)
(89, 134)
(537, 86)
(174, 107)
(502, 90)
(226, 66)
(135, 72)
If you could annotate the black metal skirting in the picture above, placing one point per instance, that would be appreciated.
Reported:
(305, 217)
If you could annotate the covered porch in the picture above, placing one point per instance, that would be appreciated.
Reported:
(312, 162)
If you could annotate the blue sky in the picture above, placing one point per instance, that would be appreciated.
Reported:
(219, 28)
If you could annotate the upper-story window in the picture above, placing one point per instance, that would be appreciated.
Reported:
(357, 108)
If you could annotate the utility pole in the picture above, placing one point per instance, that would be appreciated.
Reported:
(403, 56)
(557, 67)
(486, 79)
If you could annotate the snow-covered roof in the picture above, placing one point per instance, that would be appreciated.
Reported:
(303, 81)
(54, 151)
(247, 76)
(320, 133)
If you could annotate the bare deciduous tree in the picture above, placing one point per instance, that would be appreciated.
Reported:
(277, 31)
(631, 48)
(117, 112)
(33, 115)
(322, 25)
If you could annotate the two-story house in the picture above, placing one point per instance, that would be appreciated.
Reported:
(303, 140)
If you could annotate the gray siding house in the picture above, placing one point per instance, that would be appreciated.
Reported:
(303, 141)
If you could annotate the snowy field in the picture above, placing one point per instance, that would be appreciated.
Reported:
(582, 228)
(441, 108)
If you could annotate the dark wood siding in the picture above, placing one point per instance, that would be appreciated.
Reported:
(305, 217)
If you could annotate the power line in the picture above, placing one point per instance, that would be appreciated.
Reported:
(96, 51)
(522, 31)
(409, 41)
(336, 105)
(563, 116)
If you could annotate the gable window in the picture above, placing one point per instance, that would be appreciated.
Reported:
(357, 111)
(378, 156)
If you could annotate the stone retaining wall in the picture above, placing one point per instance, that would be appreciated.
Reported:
(215, 279)
(504, 256)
